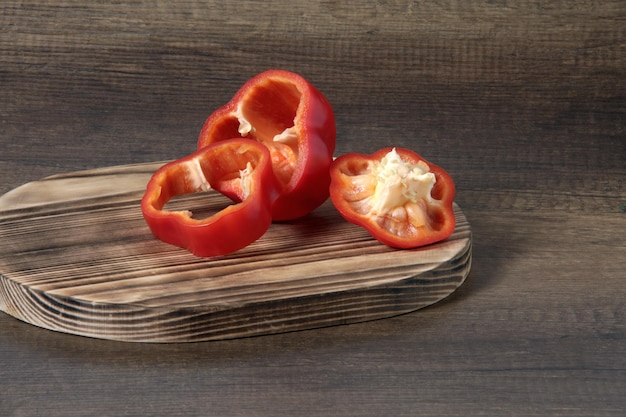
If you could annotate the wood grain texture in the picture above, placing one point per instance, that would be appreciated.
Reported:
(76, 256)
(523, 102)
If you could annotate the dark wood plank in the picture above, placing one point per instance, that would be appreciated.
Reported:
(523, 102)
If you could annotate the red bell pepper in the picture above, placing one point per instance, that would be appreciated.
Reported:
(294, 120)
(238, 168)
(400, 198)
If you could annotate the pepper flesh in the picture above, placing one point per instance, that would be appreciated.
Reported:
(401, 199)
(283, 111)
(238, 168)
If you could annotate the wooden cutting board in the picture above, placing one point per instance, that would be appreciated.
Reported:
(77, 257)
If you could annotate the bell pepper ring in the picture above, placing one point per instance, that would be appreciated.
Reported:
(238, 168)
(401, 199)
(283, 111)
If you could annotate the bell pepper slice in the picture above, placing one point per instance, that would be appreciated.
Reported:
(400, 198)
(240, 169)
(287, 114)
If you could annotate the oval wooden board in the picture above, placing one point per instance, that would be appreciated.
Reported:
(77, 257)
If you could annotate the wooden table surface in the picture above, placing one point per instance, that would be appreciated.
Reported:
(524, 103)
